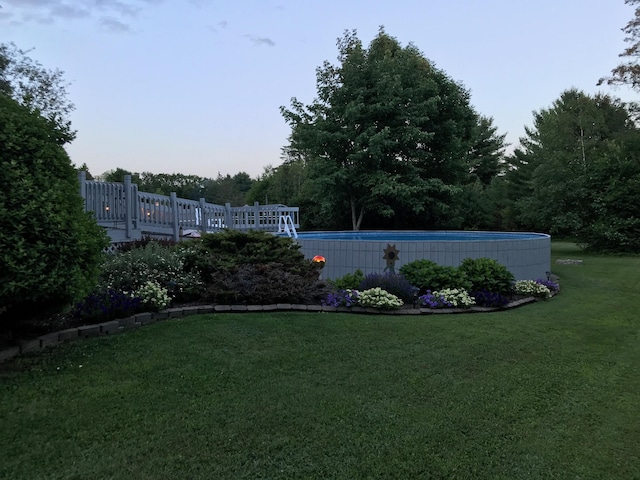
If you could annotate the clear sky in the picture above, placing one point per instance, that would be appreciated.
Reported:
(195, 86)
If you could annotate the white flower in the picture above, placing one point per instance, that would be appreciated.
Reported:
(533, 288)
(379, 298)
(456, 297)
(153, 295)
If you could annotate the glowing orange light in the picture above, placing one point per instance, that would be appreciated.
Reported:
(319, 260)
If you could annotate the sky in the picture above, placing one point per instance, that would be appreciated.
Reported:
(195, 86)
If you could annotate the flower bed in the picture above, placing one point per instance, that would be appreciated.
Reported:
(236, 272)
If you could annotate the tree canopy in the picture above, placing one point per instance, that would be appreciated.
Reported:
(387, 132)
(40, 90)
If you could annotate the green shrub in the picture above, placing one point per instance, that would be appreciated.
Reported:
(427, 275)
(350, 281)
(487, 274)
(130, 270)
(216, 252)
(252, 268)
(50, 248)
(263, 284)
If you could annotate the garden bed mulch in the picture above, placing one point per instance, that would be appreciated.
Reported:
(60, 329)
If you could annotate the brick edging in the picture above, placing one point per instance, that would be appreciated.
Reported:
(139, 320)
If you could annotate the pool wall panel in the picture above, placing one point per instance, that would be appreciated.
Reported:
(528, 258)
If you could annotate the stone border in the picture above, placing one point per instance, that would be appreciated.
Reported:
(141, 319)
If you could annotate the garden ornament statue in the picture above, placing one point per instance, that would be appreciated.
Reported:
(391, 255)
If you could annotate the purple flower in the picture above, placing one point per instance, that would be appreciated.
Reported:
(429, 300)
(342, 298)
(552, 286)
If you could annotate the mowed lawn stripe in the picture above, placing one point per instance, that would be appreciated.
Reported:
(549, 390)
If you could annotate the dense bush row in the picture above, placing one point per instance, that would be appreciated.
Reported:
(423, 283)
(230, 267)
(233, 267)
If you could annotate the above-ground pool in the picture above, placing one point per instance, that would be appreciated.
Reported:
(526, 255)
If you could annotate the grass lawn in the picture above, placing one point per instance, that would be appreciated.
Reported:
(550, 390)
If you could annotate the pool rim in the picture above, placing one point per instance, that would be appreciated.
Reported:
(488, 234)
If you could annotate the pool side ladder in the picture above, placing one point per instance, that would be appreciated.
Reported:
(285, 225)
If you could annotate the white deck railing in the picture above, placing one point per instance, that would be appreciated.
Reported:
(120, 206)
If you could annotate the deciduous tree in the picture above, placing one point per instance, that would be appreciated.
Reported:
(387, 132)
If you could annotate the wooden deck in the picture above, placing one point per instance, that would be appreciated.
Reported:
(128, 214)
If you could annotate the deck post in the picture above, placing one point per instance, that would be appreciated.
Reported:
(228, 217)
(173, 202)
(203, 216)
(128, 206)
(135, 205)
(256, 216)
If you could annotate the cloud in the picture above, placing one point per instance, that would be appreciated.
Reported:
(34, 18)
(112, 15)
(114, 25)
(30, 3)
(260, 40)
(68, 11)
(119, 7)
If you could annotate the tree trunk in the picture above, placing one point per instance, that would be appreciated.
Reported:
(356, 222)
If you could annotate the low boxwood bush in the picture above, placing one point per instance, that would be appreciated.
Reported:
(487, 274)
(393, 283)
(428, 275)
